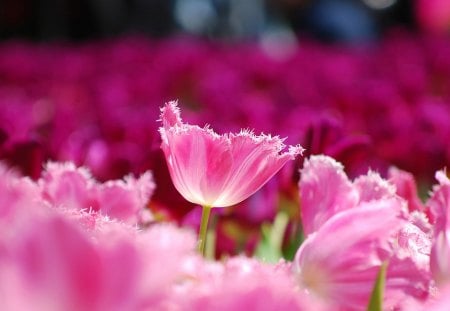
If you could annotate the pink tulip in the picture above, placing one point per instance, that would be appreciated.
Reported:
(218, 170)
(325, 190)
(339, 262)
(352, 228)
(215, 170)
(372, 187)
(65, 185)
(439, 205)
(406, 188)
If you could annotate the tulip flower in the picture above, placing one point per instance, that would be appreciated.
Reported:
(215, 170)
(352, 228)
(439, 203)
(339, 262)
(326, 190)
(68, 186)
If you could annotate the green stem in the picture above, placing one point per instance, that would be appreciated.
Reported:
(210, 247)
(206, 210)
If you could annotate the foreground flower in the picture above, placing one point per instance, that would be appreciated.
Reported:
(215, 170)
(339, 262)
(352, 228)
(241, 283)
(439, 204)
(54, 263)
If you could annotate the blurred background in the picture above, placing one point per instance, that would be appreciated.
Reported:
(329, 20)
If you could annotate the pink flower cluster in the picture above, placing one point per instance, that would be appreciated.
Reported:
(63, 246)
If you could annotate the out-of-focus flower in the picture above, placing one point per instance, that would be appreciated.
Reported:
(406, 187)
(433, 15)
(242, 283)
(218, 170)
(16, 193)
(439, 204)
(340, 261)
(65, 185)
(438, 303)
(60, 257)
(55, 264)
(334, 208)
(326, 190)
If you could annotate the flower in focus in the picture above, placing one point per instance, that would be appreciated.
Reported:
(218, 170)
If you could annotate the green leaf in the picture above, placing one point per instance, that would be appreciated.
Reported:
(269, 248)
(294, 240)
(376, 299)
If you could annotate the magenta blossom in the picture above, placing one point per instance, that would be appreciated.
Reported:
(218, 170)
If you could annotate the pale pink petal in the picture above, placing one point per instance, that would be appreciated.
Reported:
(439, 202)
(439, 205)
(255, 160)
(373, 187)
(439, 303)
(199, 163)
(440, 258)
(63, 184)
(16, 195)
(406, 188)
(55, 263)
(421, 221)
(48, 255)
(415, 243)
(125, 200)
(324, 191)
(244, 284)
(170, 115)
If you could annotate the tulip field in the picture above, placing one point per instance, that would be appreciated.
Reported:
(182, 174)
